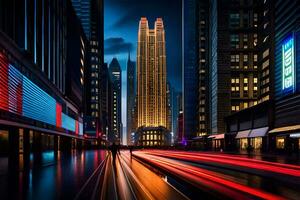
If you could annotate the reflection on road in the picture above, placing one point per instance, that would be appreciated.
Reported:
(226, 175)
(51, 175)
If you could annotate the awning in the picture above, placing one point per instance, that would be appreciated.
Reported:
(219, 136)
(212, 136)
(285, 129)
(295, 135)
(243, 134)
(259, 132)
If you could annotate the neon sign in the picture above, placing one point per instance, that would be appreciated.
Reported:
(288, 65)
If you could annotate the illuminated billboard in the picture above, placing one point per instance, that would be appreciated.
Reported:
(288, 65)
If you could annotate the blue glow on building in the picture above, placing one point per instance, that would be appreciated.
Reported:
(37, 104)
(67, 122)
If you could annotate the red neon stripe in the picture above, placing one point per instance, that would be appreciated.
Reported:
(58, 115)
(3, 82)
(76, 127)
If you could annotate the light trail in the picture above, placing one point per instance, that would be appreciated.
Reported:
(279, 168)
(204, 178)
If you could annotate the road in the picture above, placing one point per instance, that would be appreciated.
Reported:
(150, 174)
(225, 176)
(50, 175)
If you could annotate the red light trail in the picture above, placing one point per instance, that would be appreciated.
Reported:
(204, 179)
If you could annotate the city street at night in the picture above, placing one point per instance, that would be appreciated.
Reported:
(149, 99)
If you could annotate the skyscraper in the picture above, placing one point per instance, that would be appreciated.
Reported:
(233, 63)
(90, 13)
(151, 74)
(195, 14)
(115, 109)
(131, 93)
(190, 67)
(151, 83)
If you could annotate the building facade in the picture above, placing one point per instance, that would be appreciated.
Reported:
(41, 102)
(151, 76)
(115, 98)
(284, 136)
(90, 13)
(131, 93)
(233, 61)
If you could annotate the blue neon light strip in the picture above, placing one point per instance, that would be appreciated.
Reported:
(34, 102)
(37, 104)
(67, 122)
(80, 129)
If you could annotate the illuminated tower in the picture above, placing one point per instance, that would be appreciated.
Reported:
(151, 75)
(151, 72)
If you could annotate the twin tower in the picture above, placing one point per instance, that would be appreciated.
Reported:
(151, 75)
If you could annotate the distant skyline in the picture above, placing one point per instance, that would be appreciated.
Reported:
(121, 29)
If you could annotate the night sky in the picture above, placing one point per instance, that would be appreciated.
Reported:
(121, 22)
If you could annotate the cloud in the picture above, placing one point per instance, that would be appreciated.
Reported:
(116, 45)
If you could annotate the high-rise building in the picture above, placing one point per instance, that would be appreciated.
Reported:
(151, 84)
(90, 13)
(190, 67)
(41, 98)
(115, 109)
(203, 68)
(233, 63)
(195, 40)
(131, 93)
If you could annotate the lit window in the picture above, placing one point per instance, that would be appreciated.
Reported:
(255, 80)
(246, 88)
(245, 80)
(245, 104)
(245, 58)
(255, 57)
(255, 88)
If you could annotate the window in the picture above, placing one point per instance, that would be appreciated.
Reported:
(245, 104)
(280, 142)
(234, 20)
(245, 41)
(266, 53)
(245, 58)
(234, 40)
(245, 88)
(255, 57)
(245, 80)
(235, 58)
(255, 80)
(255, 40)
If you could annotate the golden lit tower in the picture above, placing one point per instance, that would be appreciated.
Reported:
(151, 75)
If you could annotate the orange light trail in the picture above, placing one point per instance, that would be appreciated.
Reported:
(203, 178)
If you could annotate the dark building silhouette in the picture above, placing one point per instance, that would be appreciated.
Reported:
(195, 68)
(131, 95)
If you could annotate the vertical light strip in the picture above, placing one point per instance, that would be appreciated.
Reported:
(35, 31)
(49, 43)
(43, 27)
(25, 26)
